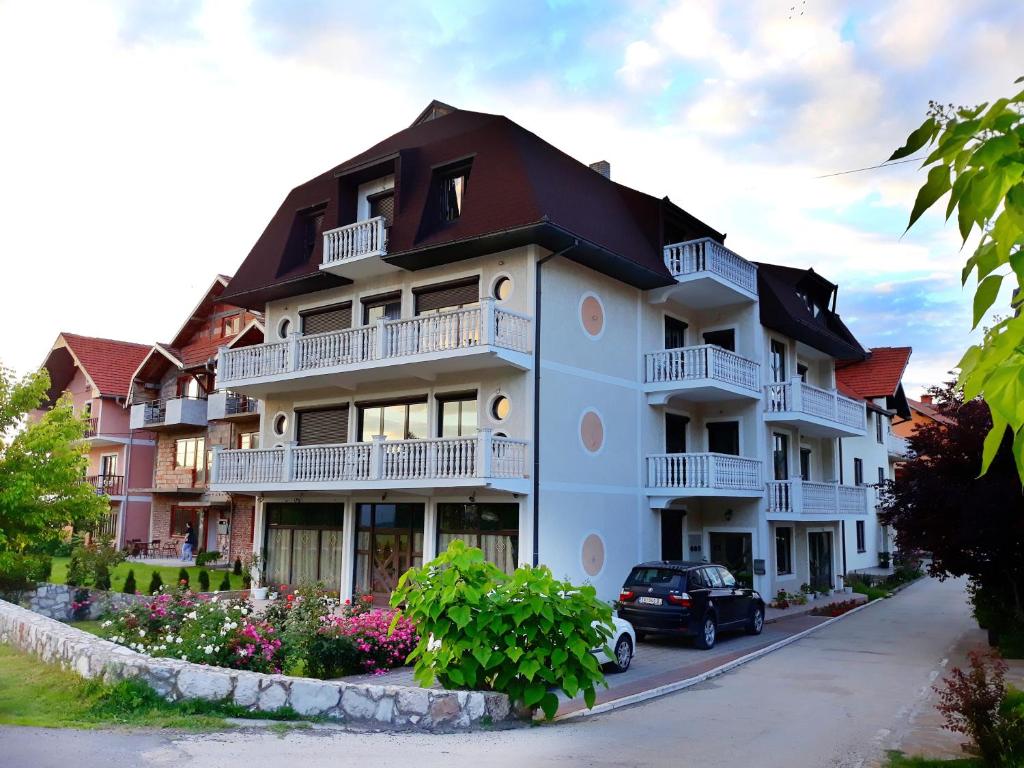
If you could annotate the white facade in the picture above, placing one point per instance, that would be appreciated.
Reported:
(637, 454)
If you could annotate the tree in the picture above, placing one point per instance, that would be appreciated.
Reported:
(978, 162)
(973, 526)
(42, 468)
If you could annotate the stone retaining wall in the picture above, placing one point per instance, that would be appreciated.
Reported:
(373, 705)
(55, 601)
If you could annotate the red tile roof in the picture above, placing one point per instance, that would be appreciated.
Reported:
(930, 411)
(877, 376)
(108, 362)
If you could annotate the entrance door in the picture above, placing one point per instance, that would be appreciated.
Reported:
(212, 540)
(389, 541)
(819, 557)
(672, 534)
(735, 552)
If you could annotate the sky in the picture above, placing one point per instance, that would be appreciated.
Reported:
(144, 145)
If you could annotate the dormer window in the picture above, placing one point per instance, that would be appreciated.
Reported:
(450, 190)
(312, 229)
(812, 306)
(383, 205)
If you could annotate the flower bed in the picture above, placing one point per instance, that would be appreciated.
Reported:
(837, 609)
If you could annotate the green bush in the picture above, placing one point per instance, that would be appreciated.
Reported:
(331, 655)
(204, 581)
(101, 577)
(20, 572)
(129, 587)
(207, 557)
(225, 583)
(521, 635)
(182, 577)
(90, 564)
(155, 583)
(237, 569)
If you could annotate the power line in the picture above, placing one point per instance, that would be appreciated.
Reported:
(871, 167)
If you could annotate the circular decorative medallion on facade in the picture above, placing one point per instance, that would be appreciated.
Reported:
(592, 431)
(592, 555)
(592, 315)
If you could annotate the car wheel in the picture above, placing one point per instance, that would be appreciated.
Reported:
(708, 633)
(623, 654)
(756, 623)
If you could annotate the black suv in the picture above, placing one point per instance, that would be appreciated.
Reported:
(689, 599)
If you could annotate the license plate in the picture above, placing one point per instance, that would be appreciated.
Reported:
(649, 600)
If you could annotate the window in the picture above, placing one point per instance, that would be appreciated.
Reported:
(323, 426)
(861, 546)
(858, 472)
(728, 580)
(382, 307)
(87, 409)
(675, 333)
(304, 543)
(712, 575)
(881, 475)
(879, 428)
(284, 328)
(500, 408)
(280, 425)
(324, 319)
(697, 580)
(494, 528)
(783, 551)
(801, 371)
(249, 440)
(675, 433)
(805, 464)
(189, 386)
(189, 452)
(724, 437)
(180, 516)
(312, 229)
(108, 464)
(447, 297)
(230, 325)
(383, 204)
(777, 360)
(726, 338)
(457, 415)
(502, 288)
(450, 186)
(396, 421)
(780, 455)
(812, 306)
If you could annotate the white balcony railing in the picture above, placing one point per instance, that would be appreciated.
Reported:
(706, 361)
(707, 255)
(898, 447)
(353, 241)
(460, 329)
(797, 396)
(711, 471)
(484, 456)
(800, 497)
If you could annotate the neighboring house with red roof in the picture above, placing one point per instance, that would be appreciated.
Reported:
(174, 394)
(872, 459)
(922, 413)
(96, 374)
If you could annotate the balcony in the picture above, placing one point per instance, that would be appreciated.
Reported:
(814, 411)
(687, 475)
(703, 373)
(231, 405)
(788, 498)
(169, 412)
(356, 251)
(897, 447)
(471, 462)
(708, 275)
(91, 427)
(462, 340)
(109, 485)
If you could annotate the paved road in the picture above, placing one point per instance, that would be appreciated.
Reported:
(835, 698)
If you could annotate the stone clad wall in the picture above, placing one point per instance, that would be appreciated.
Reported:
(374, 705)
(55, 601)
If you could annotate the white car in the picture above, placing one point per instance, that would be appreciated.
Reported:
(623, 645)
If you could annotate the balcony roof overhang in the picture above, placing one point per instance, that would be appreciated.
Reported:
(813, 426)
(698, 391)
(661, 498)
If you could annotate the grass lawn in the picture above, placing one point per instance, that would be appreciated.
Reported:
(143, 573)
(899, 760)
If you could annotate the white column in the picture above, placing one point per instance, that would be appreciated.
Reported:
(288, 465)
(488, 331)
(381, 346)
(429, 531)
(293, 351)
(377, 457)
(485, 452)
(348, 552)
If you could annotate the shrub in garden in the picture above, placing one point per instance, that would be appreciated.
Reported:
(225, 583)
(129, 583)
(520, 635)
(978, 704)
(90, 564)
(156, 583)
(380, 640)
(297, 616)
(204, 581)
(20, 572)
(207, 557)
(237, 569)
(183, 576)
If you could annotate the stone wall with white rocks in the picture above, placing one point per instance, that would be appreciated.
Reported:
(59, 601)
(366, 704)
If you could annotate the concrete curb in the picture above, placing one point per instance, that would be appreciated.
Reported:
(663, 690)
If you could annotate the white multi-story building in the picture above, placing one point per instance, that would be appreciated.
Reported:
(472, 335)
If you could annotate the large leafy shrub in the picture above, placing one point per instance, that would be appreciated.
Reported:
(20, 572)
(90, 564)
(523, 635)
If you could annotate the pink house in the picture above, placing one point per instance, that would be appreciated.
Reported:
(97, 374)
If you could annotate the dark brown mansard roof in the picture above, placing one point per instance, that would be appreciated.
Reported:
(521, 190)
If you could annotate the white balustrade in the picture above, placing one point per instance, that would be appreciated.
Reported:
(897, 446)
(386, 339)
(802, 497)
(364, 238)
(703, 471)
(782, 495)
(397, 460)
(707, 255)
(797, 396)
(706, 361)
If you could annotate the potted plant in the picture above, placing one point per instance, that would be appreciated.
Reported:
(807, 590)
(255, 569)
(883, 559)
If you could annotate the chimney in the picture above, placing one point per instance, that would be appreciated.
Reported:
(603, 167)
(926, 399)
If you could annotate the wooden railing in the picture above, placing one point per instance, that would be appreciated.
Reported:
(797, 396)
(484, 456)
(385, 340)
(706, 361)
(707, 255)
(364, 238)
(111, 485)
(92, 427)
(801, 497)
(703, 470)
